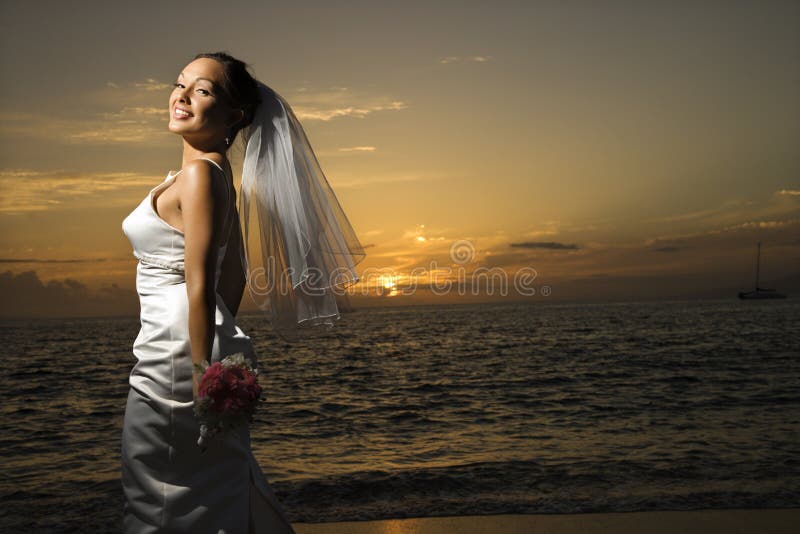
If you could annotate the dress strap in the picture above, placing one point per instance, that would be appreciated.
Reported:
(214, 162)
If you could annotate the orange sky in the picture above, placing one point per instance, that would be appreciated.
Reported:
(628, 151)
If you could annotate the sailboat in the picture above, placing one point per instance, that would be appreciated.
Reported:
(759, 292)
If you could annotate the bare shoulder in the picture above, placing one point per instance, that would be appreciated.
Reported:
(197, 177)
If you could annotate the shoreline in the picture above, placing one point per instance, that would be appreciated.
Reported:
(729, 521)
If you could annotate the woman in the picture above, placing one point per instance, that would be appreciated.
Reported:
(193, 266)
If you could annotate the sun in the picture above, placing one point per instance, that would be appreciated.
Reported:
(389, 285)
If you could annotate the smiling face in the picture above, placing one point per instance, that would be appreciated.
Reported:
(198, 105)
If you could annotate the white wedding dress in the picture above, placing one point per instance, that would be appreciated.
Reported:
(170, 486)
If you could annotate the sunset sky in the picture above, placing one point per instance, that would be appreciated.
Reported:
(620, 149)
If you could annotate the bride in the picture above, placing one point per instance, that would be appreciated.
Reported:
(196, 256)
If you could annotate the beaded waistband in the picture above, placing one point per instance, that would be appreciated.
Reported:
(159, 262)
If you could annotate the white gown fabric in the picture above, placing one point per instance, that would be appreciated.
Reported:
(169, 485)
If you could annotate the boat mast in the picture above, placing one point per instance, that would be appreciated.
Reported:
(758, 262)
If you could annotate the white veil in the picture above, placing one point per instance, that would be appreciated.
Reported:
(303, 252)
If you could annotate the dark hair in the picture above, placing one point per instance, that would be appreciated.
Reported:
(240, 87)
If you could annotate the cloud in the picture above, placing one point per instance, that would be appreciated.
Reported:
(306, 112)
(465, 59)
(136, 125)
(129, 113)
(726, 208)
(761, 224)
(137, 113)
(545, 244)
(67, 260)
(151, 84)
(669, 249)
(390, 179)
(339, 102)
(779, 206)
(780, 231)
(720, 248)
(114, 113)
(358, 149)
(422, 235)
(25, 295)
(550, 228)
(36, 190)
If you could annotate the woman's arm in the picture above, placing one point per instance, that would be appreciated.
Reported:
(201, 217)
(232, 279)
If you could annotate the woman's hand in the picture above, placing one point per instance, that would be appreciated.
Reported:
(197, 375)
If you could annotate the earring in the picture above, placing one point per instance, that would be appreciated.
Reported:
(227, 141)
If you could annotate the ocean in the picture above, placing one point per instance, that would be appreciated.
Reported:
(443, 410)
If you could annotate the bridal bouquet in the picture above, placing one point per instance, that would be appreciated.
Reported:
(227, 395)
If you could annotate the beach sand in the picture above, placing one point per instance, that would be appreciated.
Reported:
(772, 521)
